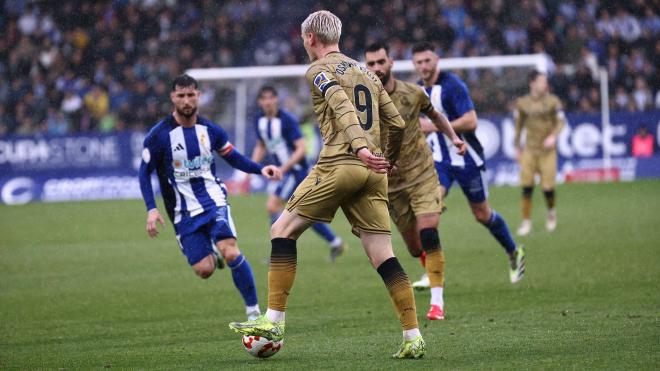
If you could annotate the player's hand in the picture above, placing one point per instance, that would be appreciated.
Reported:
(375, 163)
(461, 148)
(152, 218)
(271, 172)
(549, 142)
(518, 154)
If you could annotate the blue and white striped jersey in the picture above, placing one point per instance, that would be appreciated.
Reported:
(450, 96)
(183, 159)
(279, 135)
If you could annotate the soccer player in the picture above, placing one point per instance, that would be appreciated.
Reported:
(278, 135)
(450, 95)
(540, 114)
(180, 149)
(351, 106)
(413, 188)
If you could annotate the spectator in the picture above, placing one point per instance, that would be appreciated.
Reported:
(642, 143)
(50, 59)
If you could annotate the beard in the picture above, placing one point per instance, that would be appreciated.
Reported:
(386, 78)
(191, 112)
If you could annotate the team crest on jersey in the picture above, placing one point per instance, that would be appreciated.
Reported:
(321, 80)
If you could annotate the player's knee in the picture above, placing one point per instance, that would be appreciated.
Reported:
(229, 249)
(276, 230)
(482, 216)
(430, 239)
(415, 252)
(204, 271)
(231, 254)
(527, 192)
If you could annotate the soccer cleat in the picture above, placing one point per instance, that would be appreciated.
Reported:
(336, 251)
(525, 227)
(415, 348)
(423, 283)
(551, 220)
(435, 313)
(517, 270)
(260, 326)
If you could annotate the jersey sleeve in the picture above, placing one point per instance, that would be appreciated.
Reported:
(518, 117)
(460, 98)
(394, 124)
(559, 117)
(219, 139)
(323, 82)
(257, 132)
(147, 166)
(425, 105)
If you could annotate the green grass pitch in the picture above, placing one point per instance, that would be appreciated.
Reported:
(83, 287)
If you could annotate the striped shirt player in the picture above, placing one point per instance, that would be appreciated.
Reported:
(180, 148)
(450, 95)
(279, 136)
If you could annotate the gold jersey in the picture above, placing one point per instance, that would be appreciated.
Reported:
(540, 117)
(415, 162)
(352, 106)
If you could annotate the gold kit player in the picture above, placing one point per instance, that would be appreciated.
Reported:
(540, 114)
(413, 187)
(351, 107)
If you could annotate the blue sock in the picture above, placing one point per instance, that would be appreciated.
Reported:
(241, 272)
(324, 231)
(498, 228)
(274, 216)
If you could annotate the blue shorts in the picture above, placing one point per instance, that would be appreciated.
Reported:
(472, 180)
(199, 244)
(284, 188)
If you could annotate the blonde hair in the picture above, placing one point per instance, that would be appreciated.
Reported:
(325, 25)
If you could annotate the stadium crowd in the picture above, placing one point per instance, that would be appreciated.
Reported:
(77, 66)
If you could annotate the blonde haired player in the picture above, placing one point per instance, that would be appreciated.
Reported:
(351, 106)
(540, 114)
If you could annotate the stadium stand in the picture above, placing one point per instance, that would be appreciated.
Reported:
(106, 69)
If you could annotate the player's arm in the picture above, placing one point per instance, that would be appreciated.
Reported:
(440, 122)
(463, 106)
(144, 175)
(240, 162)
(294, 136)
(259, 151)
(559, 121)
(427, 125)
(297, 155)
(519, 119)
(392, 119)
(467, 122)
(346, 119)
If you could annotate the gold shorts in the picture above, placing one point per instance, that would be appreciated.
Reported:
(418, 199)
(360, 192)
(544, 163)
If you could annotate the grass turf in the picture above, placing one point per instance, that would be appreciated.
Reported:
(82, 287)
